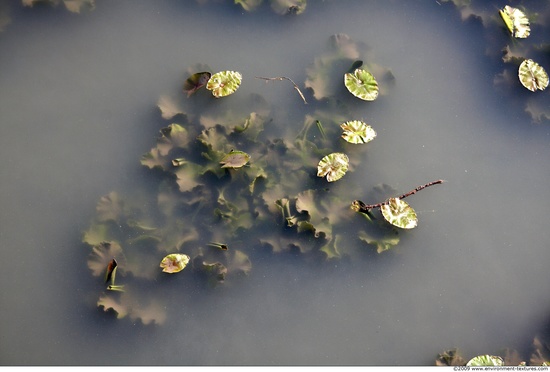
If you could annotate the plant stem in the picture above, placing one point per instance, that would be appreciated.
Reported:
(359, 206)
(285, 78)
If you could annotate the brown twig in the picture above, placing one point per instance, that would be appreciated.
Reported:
(281, 78)
(359, 206)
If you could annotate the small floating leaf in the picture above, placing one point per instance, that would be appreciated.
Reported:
(532, 75)
(174, 263)
(357, 131)
(399, 213)
(195, 82)
(362, 84)
(235, 159)
(334, 166)
(224, 83)
(485, 360)
(516, 21)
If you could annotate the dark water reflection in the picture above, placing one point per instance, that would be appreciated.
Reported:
(77, 110)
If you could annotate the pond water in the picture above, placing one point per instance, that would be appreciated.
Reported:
(78, 109)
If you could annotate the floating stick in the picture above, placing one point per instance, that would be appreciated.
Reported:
(285, 78)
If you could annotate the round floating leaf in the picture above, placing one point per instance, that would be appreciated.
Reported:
(235, 159)
(399, 213)
(362, 84)
(516, 21)
(224, 83)
(174, 263)
(532, 75)
(486, 360)
(334, 166)
(357, 131)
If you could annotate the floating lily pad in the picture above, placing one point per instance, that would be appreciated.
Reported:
(174, 263)
(516, 21)
(532, 75)
(399, 213)
(224, 83)
(362, 84)
(485, 360)
(334, 166)
(235, 159)
(357, 131)
(196, 81)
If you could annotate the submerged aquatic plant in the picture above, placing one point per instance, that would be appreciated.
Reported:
(284, 7)
(224, 83)
(196, 81)
(201, 203)
(235, 159)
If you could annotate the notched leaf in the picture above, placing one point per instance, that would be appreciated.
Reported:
(334, 166)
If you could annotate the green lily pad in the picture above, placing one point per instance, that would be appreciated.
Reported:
(357, 131)
(235, 159)
(224, 83)
(361, 84)
(532, 76)
(399, 213)
(174, 263)
(485, 360)
(516, 21)
(334, 166)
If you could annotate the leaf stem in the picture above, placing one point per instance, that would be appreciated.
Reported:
(359, 206)
(281, 78)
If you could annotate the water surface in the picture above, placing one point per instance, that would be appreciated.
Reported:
(78, 109)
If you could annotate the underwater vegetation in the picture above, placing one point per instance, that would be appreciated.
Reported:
(221, 179)
(540, 356)
(523, 46)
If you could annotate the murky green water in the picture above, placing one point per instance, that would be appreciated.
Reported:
(78, 109)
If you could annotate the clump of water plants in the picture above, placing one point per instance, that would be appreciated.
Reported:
(395, 210)
(526, 27)
(540, 356)
(221, 178)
